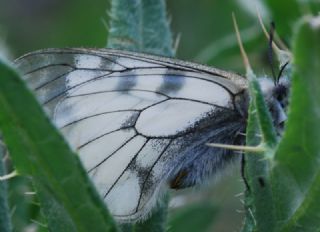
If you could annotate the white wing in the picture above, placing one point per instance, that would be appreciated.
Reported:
(130, 117)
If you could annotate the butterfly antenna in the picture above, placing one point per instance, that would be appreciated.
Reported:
(282, 50)
(281, 71)
(243, 52)
(270, 51)
(279, 41)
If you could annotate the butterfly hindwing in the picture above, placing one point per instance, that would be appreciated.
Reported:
(132, 118)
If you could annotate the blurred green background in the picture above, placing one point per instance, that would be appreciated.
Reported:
(205, 28)
(204, 33)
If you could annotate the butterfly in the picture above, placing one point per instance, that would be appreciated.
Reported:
(140, 123)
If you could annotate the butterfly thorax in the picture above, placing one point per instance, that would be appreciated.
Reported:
(202, 162)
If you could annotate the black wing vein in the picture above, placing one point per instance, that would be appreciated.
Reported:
(114, 152)
(126, 168)
(100, 136)
(149, 172)
(95, 115)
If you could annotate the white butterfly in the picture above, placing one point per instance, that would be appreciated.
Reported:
(139, 122)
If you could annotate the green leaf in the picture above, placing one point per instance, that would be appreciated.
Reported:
(284, 189)
(258, 200)
(296, 174)
(38, 150)
(198, 217)
(22, 206)
(140, 25)
(259, 205)
(269, 137)
(5, 220)
(58, 218)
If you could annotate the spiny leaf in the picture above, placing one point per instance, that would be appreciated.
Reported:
(296, 176)
(39, 151)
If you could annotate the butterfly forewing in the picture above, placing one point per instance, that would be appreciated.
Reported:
(134, 119)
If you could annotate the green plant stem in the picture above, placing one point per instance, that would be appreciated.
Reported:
(5, 220)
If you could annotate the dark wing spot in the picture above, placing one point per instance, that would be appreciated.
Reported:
(131, 121)
(126, 83)
(171, 84)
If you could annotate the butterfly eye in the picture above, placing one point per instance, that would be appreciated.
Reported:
(281, 94)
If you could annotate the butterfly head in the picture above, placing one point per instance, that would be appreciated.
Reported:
(276, 96)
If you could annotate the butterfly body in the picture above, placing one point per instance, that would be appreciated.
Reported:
(140, 122)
